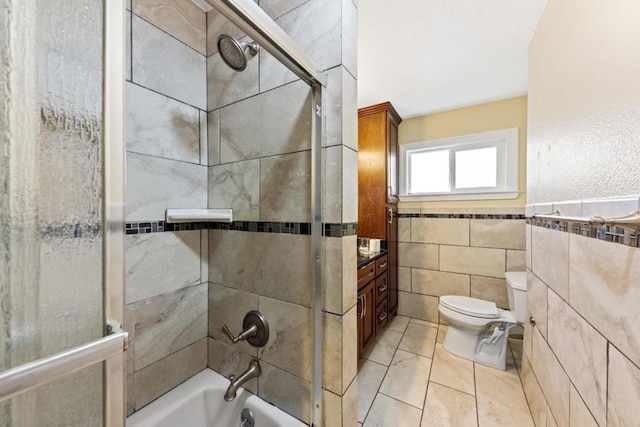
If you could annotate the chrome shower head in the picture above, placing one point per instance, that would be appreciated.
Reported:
(234, 53)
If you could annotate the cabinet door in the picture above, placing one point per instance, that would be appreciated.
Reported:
(372, 183)
(367, 314)
(392, 246)
(392, 160)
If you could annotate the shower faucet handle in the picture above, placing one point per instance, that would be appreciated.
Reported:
(247, 333)
(255, 330)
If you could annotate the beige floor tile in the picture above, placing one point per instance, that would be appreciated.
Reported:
(442, 331)
(387, 412)
(407, 378)
(446, 407)
(419, 339)
(370, 376)
(501, 400)
(398, 323)
(424, 323)
(384, 348)
(551, 421)
(453, 384)
(452, 371)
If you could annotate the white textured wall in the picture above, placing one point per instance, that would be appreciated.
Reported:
(584, 101)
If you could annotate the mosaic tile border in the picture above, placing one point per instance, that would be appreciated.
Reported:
(462, 216)
(605, 232)
(74, 231)
(301, 228)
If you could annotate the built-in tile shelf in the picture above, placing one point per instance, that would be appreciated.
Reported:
(175, 216)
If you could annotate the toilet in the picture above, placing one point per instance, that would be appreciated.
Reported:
(478, 329)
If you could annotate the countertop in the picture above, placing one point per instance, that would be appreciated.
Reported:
(364, 259)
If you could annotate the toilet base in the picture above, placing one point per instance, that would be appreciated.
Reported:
(488, 347)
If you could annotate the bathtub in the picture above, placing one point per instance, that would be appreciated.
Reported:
(199, 402)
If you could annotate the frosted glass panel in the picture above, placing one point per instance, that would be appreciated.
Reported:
(51, 202)
(429, 172)
(476, 168)
(72, 401)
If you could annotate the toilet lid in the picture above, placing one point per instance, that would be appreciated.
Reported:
(471, 306)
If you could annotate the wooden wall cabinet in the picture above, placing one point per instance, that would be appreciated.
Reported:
(378, 184)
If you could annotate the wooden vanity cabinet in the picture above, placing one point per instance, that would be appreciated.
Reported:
(373, 312)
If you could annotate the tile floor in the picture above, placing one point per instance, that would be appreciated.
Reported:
(408, 379)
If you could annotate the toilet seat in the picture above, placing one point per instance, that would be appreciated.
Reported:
(473, 307)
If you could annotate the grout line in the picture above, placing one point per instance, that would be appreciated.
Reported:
(426, 392)
(398, 400)
(164, 158)
(384, 376)
(220, 107)
(475, 392)
(171, 292)
(130, 29)
(219, 116)
(135, 371)
(200, 143)
(264, 157)
(451, 388)
(171, 35)
(133, 82)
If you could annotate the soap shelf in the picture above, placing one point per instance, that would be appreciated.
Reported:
(174, 216)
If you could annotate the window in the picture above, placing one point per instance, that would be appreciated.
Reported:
(476, 166)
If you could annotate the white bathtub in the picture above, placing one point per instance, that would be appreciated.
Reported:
(199, 402)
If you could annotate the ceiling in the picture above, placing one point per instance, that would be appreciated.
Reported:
(427, 56)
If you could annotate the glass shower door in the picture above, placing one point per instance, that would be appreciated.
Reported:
(59, 232)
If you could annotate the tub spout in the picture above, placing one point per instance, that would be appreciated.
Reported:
(252, 371)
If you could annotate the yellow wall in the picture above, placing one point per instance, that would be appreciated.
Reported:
(479, 118)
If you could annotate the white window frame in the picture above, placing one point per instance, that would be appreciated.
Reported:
(505, 140)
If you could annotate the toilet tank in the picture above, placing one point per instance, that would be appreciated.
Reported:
(517, 292)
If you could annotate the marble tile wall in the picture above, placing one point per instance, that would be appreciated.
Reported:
(461, 255)
(583, 359)
(259, 161)
(167, 159)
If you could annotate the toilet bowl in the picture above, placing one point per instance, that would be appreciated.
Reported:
(478, 329)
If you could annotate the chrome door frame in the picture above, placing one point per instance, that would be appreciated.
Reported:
(114, 52)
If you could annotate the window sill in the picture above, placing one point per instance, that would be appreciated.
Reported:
(499, 195)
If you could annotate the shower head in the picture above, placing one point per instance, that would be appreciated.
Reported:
(234, 53)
